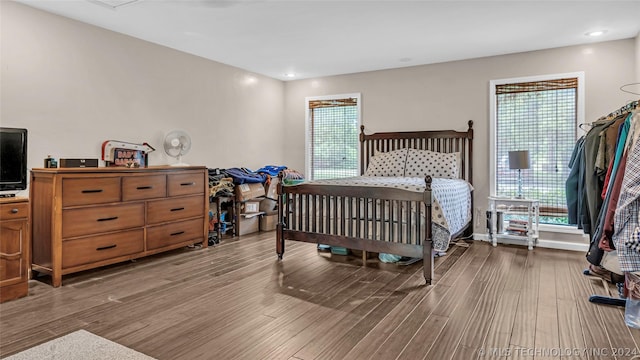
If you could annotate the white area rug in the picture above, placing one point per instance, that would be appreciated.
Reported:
(80, 345)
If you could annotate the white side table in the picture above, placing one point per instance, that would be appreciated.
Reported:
(529, 207)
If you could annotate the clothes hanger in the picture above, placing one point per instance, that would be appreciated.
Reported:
(585, 126)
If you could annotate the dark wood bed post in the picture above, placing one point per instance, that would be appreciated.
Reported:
(427, 245)
(280, 224)
(362, 150)
(470, 136)
(362, 170)
(469, 231)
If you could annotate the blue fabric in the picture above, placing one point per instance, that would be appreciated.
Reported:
(389, 258)
(241, 176)
(272, 170)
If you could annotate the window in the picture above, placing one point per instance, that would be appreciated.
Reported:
(333, 128)
(540, 115)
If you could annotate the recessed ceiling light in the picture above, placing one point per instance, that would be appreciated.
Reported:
(596, 33)
(290, 75)
(114, 4)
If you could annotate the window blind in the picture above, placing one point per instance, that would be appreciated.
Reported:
(539, 117)
(333, 148)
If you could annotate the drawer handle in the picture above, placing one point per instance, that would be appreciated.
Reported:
(177, 209)
(90, 191)
(177, 233)
(144, 187)
(14, 211)
(187, 184)
(108, 219)
(106, 247)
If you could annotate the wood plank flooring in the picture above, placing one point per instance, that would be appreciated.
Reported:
(236, 301)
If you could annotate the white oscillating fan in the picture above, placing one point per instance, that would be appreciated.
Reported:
(176, 144)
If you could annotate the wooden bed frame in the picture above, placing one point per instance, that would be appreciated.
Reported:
(305, 210)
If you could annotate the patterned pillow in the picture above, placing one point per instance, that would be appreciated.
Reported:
(421, 163)
(387, 163)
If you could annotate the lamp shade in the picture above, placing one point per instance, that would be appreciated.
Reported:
(519, 159)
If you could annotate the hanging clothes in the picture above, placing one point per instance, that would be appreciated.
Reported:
(574, 185)
(594, 171)
(611, 188)
(606, 239)
(593, 182)
(624, 179)
(596, 150)
(622, 128)
(626, 220)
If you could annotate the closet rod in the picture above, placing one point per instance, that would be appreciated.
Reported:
(623, 110)
(626, 87)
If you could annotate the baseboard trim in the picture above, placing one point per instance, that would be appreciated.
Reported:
(550, 244)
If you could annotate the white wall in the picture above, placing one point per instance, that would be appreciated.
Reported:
(73, 86)
(638, 58)
(447, 95)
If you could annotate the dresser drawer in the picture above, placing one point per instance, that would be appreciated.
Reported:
(175, 209)
(185, 184)
(14, 211)
(102, 247)
(12, 253)
(93, 220)
(174, 233)
(88, 191)
(144, 187)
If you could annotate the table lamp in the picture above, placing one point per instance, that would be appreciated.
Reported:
(519, 160)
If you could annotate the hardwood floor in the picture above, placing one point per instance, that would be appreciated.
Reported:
(236, 301)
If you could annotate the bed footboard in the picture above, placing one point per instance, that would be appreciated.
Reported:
(371, 219)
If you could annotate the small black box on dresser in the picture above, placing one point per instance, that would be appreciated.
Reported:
(78, 163)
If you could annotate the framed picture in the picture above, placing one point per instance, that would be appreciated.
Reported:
(128, 158)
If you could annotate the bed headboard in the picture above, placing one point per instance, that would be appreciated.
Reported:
(435, 140)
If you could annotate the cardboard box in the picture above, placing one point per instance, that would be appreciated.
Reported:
(268, 222)
(247, 191)
(268, 205)
(252, 207)
(248, 225)
(271, 190)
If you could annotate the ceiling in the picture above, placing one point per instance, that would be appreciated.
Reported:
(322, 38)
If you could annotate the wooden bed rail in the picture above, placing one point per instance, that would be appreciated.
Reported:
(370, 219)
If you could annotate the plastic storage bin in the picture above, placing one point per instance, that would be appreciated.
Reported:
(632, 306)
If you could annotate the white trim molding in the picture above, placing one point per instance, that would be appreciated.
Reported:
(307, 132)
(542, 243)
(580, 115)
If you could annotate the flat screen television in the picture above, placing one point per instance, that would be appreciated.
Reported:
(13, 159)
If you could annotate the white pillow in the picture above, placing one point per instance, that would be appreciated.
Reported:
(421, 163)
(387, 163)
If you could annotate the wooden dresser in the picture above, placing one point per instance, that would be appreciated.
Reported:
(14, 248)
(89, 217)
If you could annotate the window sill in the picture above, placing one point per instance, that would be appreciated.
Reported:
(563, 229)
